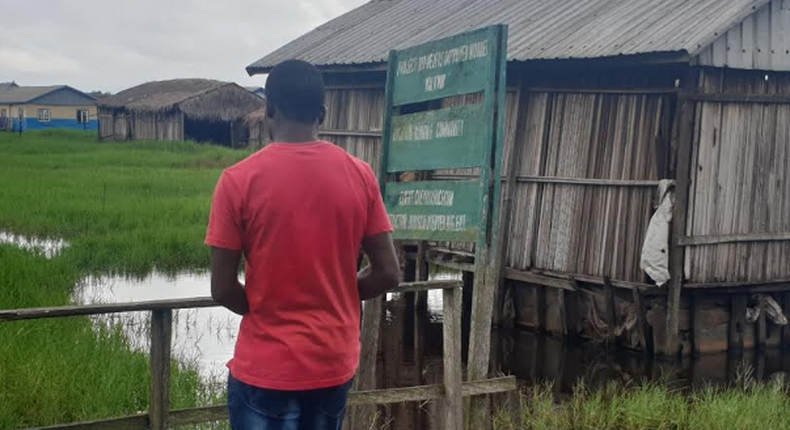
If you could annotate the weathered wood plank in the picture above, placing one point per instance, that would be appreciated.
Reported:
(683, 144)
(366, 375)
(641, 325)
(98, 309)
(732, 238)
(350, 133)
(520, 275)
(616, 91)
(737, 322)
(205, 414)
(158, 305)
(161, 337)
(736, 98)
(587, 181)
(453, 366)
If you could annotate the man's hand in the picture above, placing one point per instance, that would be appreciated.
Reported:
(383, 272)
(225, 286)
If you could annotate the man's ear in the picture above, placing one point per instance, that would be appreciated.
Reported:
(322, 116)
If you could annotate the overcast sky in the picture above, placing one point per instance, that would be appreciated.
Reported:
(110, 45)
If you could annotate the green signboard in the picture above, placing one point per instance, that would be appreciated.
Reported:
(422, 137)
(447, 67)
(438, 139)
(437, 210)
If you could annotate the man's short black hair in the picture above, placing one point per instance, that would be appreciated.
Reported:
(296, 88)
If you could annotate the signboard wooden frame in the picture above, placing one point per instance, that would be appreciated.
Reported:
(419, 135)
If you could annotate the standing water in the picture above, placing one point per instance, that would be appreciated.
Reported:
(49, 248)
(204, 337)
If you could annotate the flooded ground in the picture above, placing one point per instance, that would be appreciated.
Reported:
(203, 337)
(411, 348)
(49, 248)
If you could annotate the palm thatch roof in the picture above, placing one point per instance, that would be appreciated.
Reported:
(197, 98)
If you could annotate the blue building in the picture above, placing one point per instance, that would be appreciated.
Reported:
(39, 108)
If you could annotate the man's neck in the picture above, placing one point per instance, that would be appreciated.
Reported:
(296, 133)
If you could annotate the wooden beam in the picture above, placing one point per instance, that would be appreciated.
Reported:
(540, 306)
(366, 375)
(511, 178)
(532, 278)
(350, 133)
(587, 181)
(98, 309)
(641, 324)
(737, 322)
(413, 287)
(624, 91)
(453, 364)
(356, 398)
(735, 98)
(732, 238)
(683, 144)
(158, 305)
(161, 337)
(611, 314)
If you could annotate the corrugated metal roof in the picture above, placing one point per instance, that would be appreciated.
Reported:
(19, 94)
(539, 29)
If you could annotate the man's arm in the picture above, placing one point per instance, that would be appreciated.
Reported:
(225, 286)
(383, 272)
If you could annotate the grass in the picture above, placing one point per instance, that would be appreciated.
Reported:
(651, 406)
(125, 209)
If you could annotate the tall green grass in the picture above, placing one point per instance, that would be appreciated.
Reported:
(651, 406)
(124, 208)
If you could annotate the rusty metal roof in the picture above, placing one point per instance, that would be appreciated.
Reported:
(539, 29)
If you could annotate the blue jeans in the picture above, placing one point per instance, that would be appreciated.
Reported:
(253, 408)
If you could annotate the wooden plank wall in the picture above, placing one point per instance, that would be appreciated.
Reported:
(761, 41)
(587, 229)
(153, 126)
(740, 181)
(356, 110)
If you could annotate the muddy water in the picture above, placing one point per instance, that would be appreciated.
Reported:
(411, 346)
(205, 337)
(202, 337)
(49, 248)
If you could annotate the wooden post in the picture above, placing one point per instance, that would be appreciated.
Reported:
(611, 315)
(453, 375)
(641, 323)
(683, 145)
(737, 322)
(762, 327)
(540, 306)
(513, 169)
(563, 312)
(366, 376)
(786, 328)
(487, 262)
(161, 333)
(422, 274)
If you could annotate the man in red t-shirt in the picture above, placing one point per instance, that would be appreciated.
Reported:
(298, 210)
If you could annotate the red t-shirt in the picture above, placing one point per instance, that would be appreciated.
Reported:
(299, 212)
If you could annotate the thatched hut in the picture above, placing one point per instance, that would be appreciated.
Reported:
(179, 109)
(605, 100)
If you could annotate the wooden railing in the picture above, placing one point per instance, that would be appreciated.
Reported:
(159, 415)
